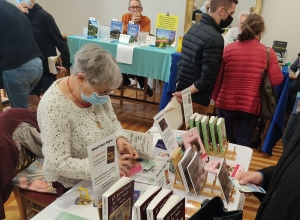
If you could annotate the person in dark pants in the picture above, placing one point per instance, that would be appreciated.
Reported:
(48, 38)
(237, 91)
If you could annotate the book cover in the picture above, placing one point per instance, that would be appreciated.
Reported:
(116, 28)
(157, 203)
(196, 172)
(133, 31)
(118, 205)
(206, 133)
(162, 37)
(296, 108)
(171, 38)
(162, 177)
(176, 212)
(222, 135)
(213, 134)
(191, 207)
(192, 121)
(192, 139)
(104, 165)
(92, 28)
(213, 167)
(187, 157)
(225, 182)
(198, 126)
(141, 205)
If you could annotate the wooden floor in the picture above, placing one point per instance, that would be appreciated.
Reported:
(137, 117)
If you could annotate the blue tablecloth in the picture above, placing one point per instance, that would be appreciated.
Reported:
(148, 61)
(275, 131)
(170, 85)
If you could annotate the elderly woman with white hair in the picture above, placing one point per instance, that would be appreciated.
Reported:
(233, 32)
(205, 7)
(76, 112)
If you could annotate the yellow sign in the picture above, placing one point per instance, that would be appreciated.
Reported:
(167, 22)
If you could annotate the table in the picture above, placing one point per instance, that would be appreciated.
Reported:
(275, 131)
(148, 61)
(244, 155)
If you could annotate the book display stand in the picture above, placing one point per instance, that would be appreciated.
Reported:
(228, 154)
(211, 189)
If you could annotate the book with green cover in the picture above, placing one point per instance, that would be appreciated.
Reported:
(222, 135)
(192, 121)
(213, 133)
(198, 125)
(206, 133)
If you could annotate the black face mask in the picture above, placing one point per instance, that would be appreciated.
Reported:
(226, 22)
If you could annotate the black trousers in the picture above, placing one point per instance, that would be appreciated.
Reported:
(140, 79)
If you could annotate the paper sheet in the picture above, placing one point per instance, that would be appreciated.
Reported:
(124, 54)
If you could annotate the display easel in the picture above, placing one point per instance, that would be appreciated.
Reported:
(214, 189)
(228, 154)
(176, 157)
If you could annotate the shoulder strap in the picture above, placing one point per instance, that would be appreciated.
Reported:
(268, 57)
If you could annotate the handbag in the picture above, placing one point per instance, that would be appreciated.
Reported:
(267, 93)
(214, 210)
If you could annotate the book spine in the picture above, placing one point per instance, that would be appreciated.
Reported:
(220, 136)
(205, 138)
(137, 213)
(104, 209)
(150, 215)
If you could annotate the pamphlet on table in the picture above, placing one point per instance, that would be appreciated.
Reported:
(187, 106)
(92, 28)
(249, 187)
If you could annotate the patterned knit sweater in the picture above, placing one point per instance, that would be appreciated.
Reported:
(67, 130)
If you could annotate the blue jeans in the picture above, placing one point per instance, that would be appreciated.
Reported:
(244, 124)
(291, 127)
(19, 82)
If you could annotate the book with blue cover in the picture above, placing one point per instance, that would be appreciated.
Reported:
(296, 108)
(133, 31)
(92, 28)
(116, 28)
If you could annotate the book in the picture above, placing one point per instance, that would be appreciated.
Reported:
(173, 112)
(198, 125)
(249, 187)
(296, 107)
(222, 135)
(196, 172)
(225, 183)
(143, 202)
(53, 62)
(192, 139)
(192, 120)
(182, 165)
(187, 106)
(162, 37)
(104, 165)
(117, 201)
(173, 209)
(157, 203)
(206, 133)
(191, 207)
(133, 31)
(116, 28)
(213, 134)
(92, 28)
(213, 167)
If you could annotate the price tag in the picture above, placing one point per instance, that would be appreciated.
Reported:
(150, 40)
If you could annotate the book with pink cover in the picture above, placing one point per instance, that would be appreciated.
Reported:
(192, 138)
(214, 165)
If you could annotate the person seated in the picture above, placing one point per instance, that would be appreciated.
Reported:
(281, 183)
(233, 32)
(205, 7)
(197, 11)
(135, 15)
(75, 112)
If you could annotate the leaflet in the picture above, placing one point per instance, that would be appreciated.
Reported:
(249, 187)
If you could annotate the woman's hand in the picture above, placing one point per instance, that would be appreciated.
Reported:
(125, 164)
(23, 7)
(249, 177)
(178, 96)
(125, 147)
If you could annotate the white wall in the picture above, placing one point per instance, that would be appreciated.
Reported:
(282, 24)
(72, 16)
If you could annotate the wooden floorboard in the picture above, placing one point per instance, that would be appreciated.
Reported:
(140, 118)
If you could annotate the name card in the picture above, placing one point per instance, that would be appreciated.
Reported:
(150, 40)
(124, 38)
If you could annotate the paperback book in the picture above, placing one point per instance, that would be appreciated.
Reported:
(133, 31)
(117, 201)
(214, 134)
(222, 135)
(225, 183)
(213, 166)
(116, 28)
(92, 28)
(206, 133)
(182, 165)
(173, 209)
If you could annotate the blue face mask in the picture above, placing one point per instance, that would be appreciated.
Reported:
(94, 99)
(20, 1)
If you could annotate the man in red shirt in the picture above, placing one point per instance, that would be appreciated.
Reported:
(135, 15)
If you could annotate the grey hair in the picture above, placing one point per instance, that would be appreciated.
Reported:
(244, 13)
(206, 3)
(99, 67)
(137, 1)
